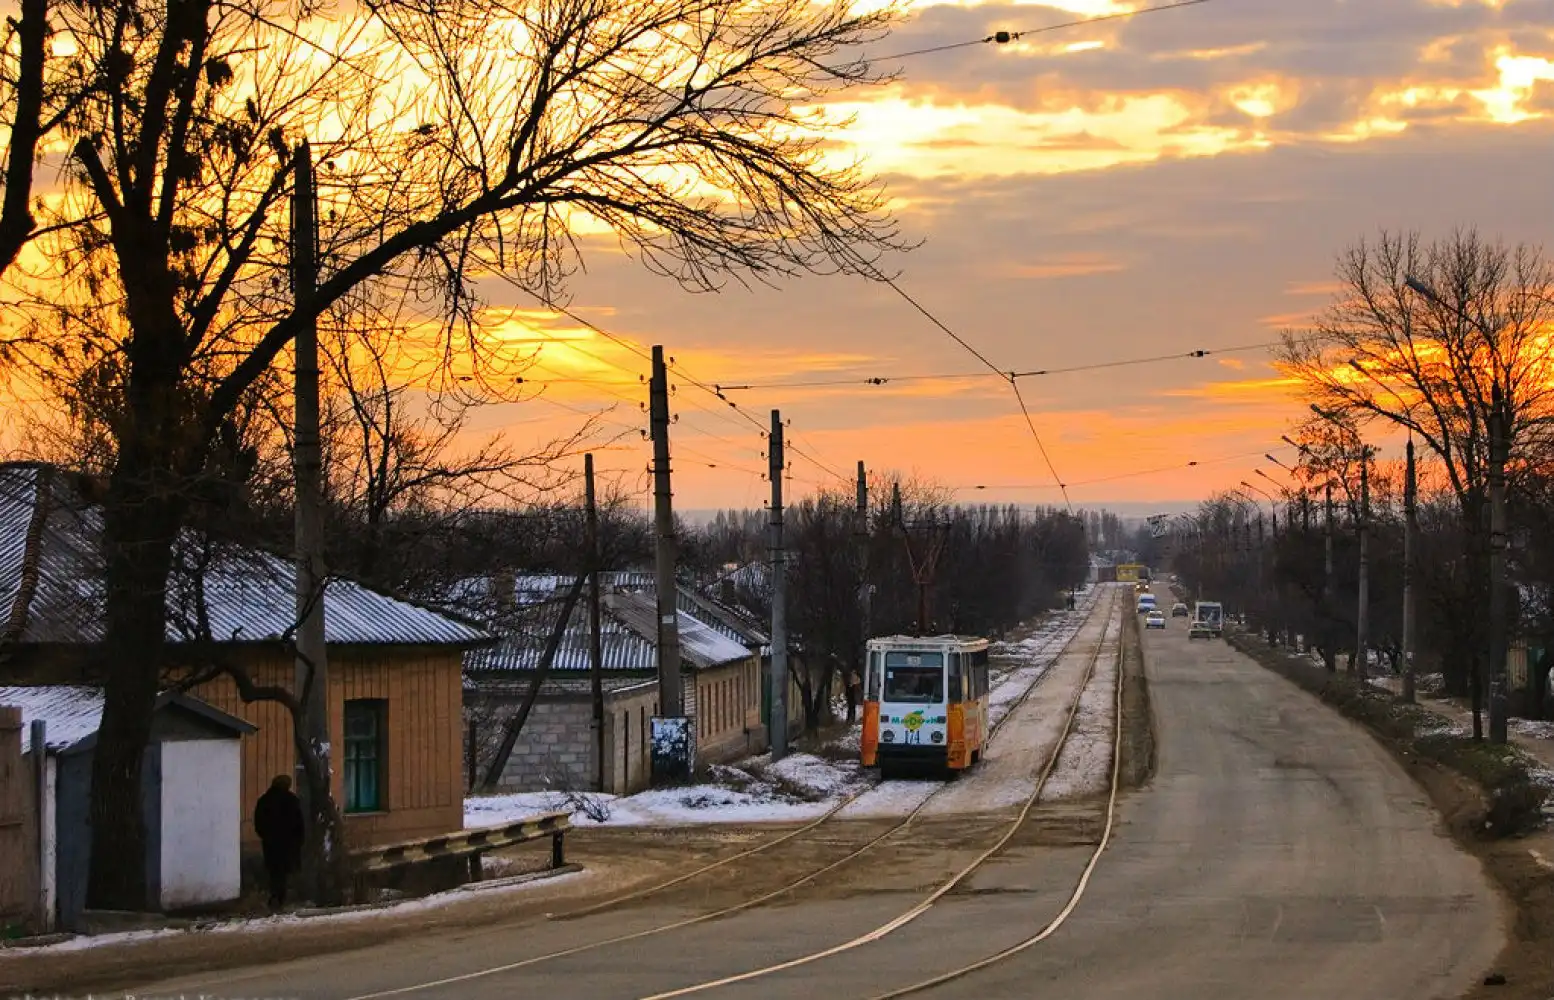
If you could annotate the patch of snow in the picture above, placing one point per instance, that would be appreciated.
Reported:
(819, 777)
(1541, 776)
(1533, 728)
(744, 794)
(1084, 765)
(890, 798)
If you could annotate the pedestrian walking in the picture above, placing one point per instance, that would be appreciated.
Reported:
(854, 682)
(281, 828)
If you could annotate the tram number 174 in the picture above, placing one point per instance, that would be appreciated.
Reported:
(925, 703)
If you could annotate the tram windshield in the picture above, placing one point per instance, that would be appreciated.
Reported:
(914, 677)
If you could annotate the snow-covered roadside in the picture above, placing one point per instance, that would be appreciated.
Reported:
(1084, 765)
(799, 787)
(251, 925)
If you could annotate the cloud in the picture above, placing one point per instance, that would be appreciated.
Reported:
(1068, 265)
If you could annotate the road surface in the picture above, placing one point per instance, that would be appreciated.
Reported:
(1278, 853)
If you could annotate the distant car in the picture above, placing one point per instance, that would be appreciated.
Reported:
(1179, 610)
(1154, 620)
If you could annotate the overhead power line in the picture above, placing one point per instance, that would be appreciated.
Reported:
(878, 380)
(626, 344)
(1005, 37)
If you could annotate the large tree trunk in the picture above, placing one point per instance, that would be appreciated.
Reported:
(140, 526)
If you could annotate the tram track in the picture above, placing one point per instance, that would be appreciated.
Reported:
(952, 883)
(794, 884)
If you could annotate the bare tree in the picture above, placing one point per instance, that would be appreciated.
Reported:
(459, 141)
(1433, 363)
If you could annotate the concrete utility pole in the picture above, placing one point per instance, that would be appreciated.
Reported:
(1360, 665)
(1327, 578)
(1499, 446)
(312, 665)
(671, 699)
(779, 570)
(595, 626)
(1410, 525)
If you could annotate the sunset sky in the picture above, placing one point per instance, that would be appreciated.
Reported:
(1141, 187)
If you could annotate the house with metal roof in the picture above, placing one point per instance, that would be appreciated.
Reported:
(557, 747)
(395, 667)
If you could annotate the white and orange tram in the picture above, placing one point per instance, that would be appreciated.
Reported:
(925, 702)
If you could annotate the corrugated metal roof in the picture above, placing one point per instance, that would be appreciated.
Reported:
(700, 645)
(525, 635)
(70, 714)
(248, 594)
(475, 596)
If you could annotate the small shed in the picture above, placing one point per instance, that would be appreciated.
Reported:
(191, 784)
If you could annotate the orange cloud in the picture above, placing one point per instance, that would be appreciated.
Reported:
(1067, 265)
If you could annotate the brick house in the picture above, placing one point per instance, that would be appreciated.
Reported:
(556, 748)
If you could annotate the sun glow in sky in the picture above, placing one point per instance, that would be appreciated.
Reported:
(1134, 189)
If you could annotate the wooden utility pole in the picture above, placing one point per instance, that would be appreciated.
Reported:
(1329, 654)
(595, 639)
(312, 662)
(671, 700)
(865, 597)
(779, 570)
(1410, 526)
(1499, 446)
(1360, 665)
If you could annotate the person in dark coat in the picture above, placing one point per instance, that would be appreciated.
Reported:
(279, 823)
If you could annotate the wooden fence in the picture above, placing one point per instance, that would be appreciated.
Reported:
(18, 852)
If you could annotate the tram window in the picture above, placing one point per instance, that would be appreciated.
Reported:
(957, 678)
(872, 682)
(914, 677)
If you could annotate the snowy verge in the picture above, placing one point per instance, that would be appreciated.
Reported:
(799, 787)
(1084, 765)
(257, 924)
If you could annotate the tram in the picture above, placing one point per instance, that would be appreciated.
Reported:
(925, 702)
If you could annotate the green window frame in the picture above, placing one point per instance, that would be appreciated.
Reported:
(366, 740)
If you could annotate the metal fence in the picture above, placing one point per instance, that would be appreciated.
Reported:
(18, 852)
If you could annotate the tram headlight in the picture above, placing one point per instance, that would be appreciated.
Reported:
(937, 736)
(888, 736)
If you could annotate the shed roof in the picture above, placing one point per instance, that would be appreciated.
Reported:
(524, 635)
(72, 713)
(52, 589)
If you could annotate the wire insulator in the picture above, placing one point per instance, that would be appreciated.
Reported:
(1002, 37)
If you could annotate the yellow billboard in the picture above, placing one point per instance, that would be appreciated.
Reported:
(1130, 573)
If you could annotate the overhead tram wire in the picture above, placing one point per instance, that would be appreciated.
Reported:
(704, 387)
(1009, 377)
(1005, 37)
(879, 380)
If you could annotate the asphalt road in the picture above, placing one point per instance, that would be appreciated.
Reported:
(1278, 853)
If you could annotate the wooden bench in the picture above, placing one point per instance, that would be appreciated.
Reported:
(465, 846)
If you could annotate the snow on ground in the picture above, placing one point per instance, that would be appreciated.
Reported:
(890, 798)
(1084, 766)
(1533, 728)
(254, 924)
(799, 787)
